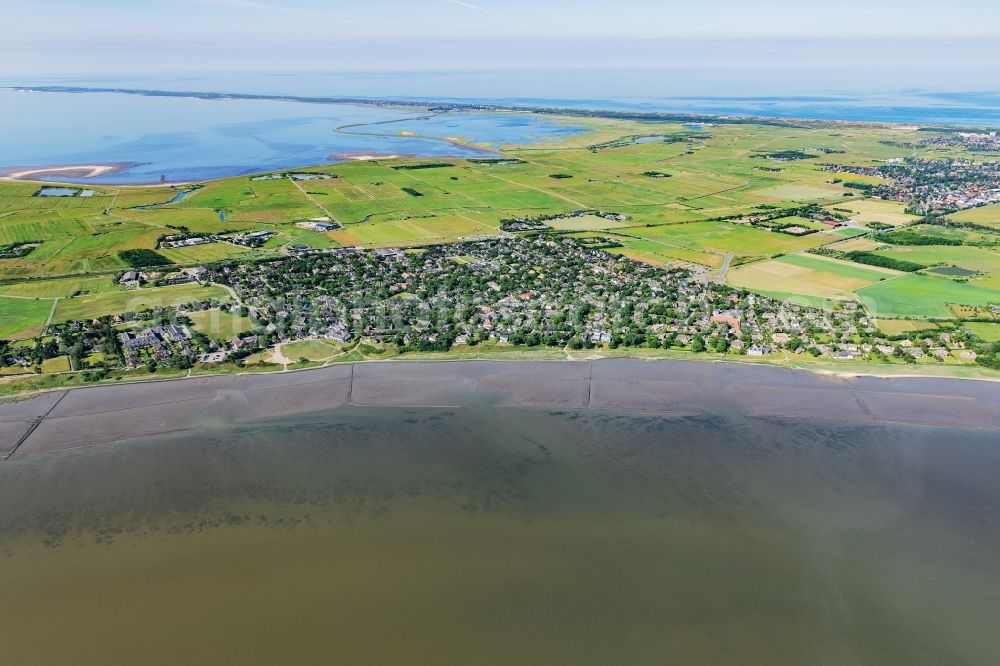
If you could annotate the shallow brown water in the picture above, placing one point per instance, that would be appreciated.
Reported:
(506, 536)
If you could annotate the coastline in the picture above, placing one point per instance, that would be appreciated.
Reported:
(32, 174)
(73, 418)
(362, 157)
(515, 355)
(27, 174)
(81, 173)
(542, 109)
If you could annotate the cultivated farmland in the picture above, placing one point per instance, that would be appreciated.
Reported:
(808, 275)
(667, 193)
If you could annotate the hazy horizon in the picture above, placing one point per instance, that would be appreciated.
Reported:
(773, 47)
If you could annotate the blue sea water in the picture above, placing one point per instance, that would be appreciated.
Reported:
(184, 139)
(913, 95)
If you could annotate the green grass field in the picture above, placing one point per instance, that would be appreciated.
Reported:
(987, 331)
(986, 215)
(922, 296)
(723, 237)
(93, 306)
(807, 275)
(714, 176)
(61, 288)
(672, 194)
(585, 223)
(22, 317)
(872, 210)
(966, 236)
(973, 258)
(901, 326)
(416, 231)
(203, 254)
(220, 325)
(57, 364)
(313, 350)
(807, 300)
(662, 254)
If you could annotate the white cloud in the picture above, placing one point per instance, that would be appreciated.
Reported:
(469, 6)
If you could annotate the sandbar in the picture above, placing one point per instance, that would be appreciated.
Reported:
(363, 157)
(70, 171)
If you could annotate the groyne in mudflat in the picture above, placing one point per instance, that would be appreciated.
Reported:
(63, 420)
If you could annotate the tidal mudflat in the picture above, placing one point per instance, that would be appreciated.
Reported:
(497, 513)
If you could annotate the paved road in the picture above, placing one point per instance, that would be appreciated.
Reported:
(725, 268)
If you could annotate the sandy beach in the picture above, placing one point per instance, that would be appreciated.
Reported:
(362, 157)
(74, 171)
(62, 420)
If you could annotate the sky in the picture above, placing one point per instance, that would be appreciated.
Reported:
(898, 42)
(35, 21)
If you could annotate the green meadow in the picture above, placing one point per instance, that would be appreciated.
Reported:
(98, 305)
(220, 325)
(724, 237)
(682, 199)
(986, 215)
(312, 350)
(922, 296)
(989, 332)
(986, 260)
(22, 317)
(807, 275)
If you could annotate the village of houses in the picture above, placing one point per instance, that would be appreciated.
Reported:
(544, 291)
(933, 186)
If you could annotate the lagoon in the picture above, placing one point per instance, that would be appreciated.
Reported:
(186, 139)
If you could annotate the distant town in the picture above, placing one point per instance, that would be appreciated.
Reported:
(933, 186)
